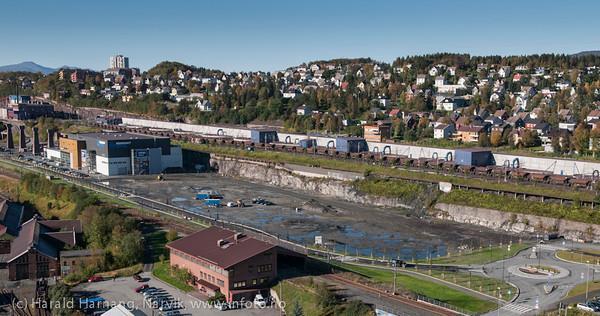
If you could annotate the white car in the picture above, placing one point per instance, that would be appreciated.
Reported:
(585, 307)
(259, 301)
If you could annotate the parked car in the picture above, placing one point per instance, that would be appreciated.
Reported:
(259, 301)
(141, 288)
(585, 307)
(95, 278)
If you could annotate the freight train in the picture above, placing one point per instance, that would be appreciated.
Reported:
(509, 171)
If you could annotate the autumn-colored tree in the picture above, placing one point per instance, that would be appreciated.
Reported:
(581, 139)
(496, 139)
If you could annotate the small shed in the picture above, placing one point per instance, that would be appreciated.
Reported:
(351, 144)
(474, 157)
(308, 143)
(264, 136)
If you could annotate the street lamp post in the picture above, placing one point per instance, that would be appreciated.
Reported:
(395, 265)
(499, 295)
(587, 281)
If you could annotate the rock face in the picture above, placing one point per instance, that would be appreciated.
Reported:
(517, 223)
(280, 176)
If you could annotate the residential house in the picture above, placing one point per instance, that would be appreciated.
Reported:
(377, 132)
(303, 110)
(451, 104)
(204, 105)
(594, 114)
(443, 131)
(421, 79)
(469, 134)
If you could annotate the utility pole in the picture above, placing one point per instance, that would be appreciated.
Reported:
(395, 265)
(587, 281)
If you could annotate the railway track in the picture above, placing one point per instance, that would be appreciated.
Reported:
(426, 307)
(426, 165)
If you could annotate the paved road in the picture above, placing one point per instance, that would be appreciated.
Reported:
(532, 296)
(121, 290)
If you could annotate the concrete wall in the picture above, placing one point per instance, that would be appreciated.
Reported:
(517, 223)
(557, 166)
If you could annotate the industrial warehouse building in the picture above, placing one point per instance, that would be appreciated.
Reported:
(114, 154)
(223, 261)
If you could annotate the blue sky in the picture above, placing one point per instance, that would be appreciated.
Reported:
(274, 34)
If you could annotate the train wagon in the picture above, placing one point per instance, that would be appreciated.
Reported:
(580, 182)
(539, 177)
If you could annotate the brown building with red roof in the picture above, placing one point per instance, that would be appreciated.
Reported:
(30, 246)
(224, 261)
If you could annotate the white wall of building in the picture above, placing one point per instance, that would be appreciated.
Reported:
(113, 166)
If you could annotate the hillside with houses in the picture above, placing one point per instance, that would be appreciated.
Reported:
(547, 103)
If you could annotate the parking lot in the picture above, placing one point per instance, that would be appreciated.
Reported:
(122, 290)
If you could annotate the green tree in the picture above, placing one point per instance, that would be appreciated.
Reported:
(171, 235)
(61, 299)
(297, 309)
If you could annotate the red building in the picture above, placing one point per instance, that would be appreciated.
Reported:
(224, 261)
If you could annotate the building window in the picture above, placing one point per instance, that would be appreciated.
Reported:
(239, 284)
(220, 282)
(250, 268)
(263, 280)
(265, 268)
(253, 281)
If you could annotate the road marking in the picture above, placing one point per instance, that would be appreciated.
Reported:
(517, 308)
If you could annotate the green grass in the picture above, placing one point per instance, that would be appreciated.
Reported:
(161, 270)
(510, 204)
(362, 167)
(591, 256)
(156, 242)
(389, 188)
(298, 290)
(579, 289)
(483, 256)
(424, 287)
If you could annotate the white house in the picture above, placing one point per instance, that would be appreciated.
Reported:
(204, 105)
(439, 81)
(303, 110)
(443, 131)
(433, 71)
(504, 71)
(421, 79)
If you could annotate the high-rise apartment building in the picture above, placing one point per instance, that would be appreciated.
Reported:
(119, 62)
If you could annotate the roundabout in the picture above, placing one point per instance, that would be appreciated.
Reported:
(539, 272)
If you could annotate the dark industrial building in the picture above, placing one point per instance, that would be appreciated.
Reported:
(264, 136)
(474, 157)
(351, 144)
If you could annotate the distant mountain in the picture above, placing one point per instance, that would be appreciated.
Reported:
(27, 66)
(587, 53)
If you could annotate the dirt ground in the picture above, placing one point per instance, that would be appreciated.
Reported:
(350, 227)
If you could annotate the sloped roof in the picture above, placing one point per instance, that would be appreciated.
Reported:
(203, 245)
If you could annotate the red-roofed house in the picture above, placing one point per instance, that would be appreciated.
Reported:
(224, 261)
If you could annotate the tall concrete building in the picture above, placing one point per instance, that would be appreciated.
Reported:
(119, 62)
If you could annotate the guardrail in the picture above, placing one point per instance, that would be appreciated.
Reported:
(429, 300)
